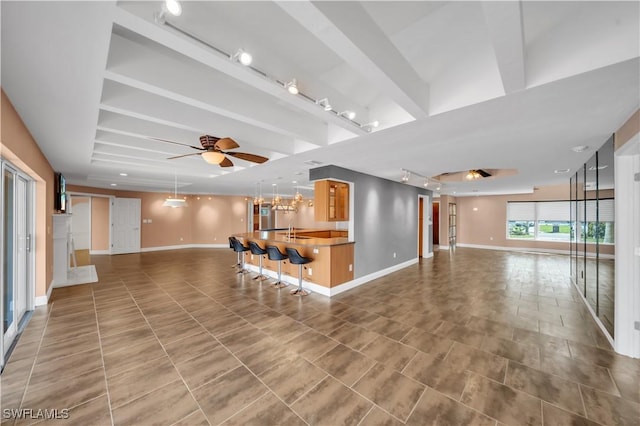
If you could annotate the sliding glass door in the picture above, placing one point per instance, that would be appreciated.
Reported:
(15, 298)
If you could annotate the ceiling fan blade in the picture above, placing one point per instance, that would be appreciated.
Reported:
(483, 173)
(184, 155)
(226, 143)
(226, 163)
(248, 157)
(178, 143)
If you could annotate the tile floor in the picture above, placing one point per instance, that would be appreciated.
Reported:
(468, 337)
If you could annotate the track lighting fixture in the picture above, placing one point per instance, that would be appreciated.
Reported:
(349, 114)
(406, 176)
(174, 8)
(325, 104)
(243, 57)
(370, 126)
(292, 86)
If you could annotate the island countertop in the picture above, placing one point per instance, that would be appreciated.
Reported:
(300, 237)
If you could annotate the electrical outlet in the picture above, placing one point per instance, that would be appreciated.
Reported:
(310, 271)
(350, 267)
(394, 254)
(490, 238)
(181, 239)
(316, 251)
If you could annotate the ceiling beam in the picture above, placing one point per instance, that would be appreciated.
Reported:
(504, 22)
(348, 30)
(198, 52)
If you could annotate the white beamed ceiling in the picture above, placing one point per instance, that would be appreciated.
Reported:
(454, 85)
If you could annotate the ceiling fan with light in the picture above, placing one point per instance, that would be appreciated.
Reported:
(214, 151)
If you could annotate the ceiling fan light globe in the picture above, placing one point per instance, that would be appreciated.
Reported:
(213, 157)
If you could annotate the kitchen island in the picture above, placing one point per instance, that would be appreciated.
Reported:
(331, 251)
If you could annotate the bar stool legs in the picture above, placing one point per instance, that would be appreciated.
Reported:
(296, 259)
(275, 254)
(300, 291)
(261, 276)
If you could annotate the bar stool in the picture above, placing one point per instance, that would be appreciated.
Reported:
(274, 253)
(237, 265)
(240, 249)
(257, 250)
(296, 259)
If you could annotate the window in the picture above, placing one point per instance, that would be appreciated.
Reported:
(550, 221)
(521, 221)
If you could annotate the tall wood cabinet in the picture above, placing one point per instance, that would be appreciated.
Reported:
(331, 201)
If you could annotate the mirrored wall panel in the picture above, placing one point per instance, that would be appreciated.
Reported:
(592, 233)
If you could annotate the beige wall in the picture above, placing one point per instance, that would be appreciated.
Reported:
(487, 225)
(304, 218)
(208, 219)
(18, 146)
(628, 130)
(99, 223)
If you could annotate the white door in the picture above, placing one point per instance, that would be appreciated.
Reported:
(126, 226)
(81, 222)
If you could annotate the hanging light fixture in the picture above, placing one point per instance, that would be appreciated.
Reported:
(175, 201)
(258, 198)
(297, 198)
(349, 114)
(324, 103)
(406, 176)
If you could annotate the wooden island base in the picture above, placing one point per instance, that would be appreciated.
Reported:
(331, 251)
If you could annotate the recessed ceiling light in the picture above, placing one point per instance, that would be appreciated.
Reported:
(123, 174)
(604, 166)
(580, 148)
(559, 171)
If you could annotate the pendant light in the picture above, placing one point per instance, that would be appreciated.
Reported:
(175, 201)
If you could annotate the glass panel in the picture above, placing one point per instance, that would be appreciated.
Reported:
(554, 230)
(606, 262)
(580, 242)
(591, 232)
(8, 249)
(572, 216)
(522, 230)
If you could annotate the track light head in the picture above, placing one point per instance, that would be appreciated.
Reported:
(243, 57)
(292, 86)
(325, 104)
(370, 126)
(348, 114)
(173, 7)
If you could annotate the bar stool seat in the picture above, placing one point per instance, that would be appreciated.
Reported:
(240, 249)
(237, 265)
(258, 251)
(296, 259)
(274, 253)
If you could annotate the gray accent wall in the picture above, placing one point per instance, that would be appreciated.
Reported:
(385, 215)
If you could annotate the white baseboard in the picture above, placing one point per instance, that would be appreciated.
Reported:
(594, 316)
(326, 291)
(99, 252)
(443, 247)
(43, 300)
(527, 249)
(428, 255)
(183, 246)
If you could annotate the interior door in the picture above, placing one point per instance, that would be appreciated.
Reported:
(126, 225)
(8, 262)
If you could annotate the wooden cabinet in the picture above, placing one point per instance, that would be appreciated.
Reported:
(331, 201)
